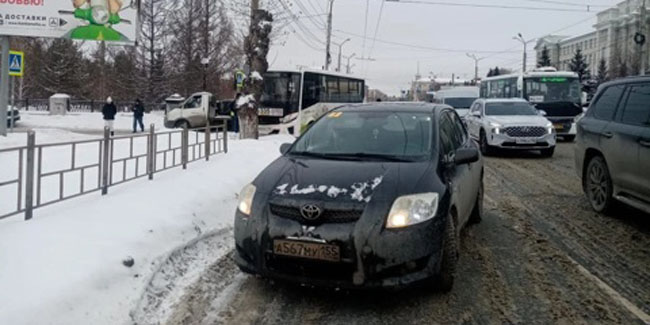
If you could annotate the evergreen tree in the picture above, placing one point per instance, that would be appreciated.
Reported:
(497, 72)
(490, 73)
(622, 69)
(602, 71)
(545, 59)
(579, 65)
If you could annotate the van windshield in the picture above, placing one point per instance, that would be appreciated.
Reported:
(460, 102)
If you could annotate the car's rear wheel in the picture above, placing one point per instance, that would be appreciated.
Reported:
(182, 124)
(444, 281)
(548, 153)
(486, 149)
(598, 184)
(477, 212)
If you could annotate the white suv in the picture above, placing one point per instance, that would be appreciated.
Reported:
(510, 124)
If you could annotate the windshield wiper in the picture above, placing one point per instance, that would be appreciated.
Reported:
(361, 155)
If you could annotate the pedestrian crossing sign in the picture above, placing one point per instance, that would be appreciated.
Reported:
(16, 63)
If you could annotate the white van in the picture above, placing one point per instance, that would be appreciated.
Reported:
(195, 111)
(460, 98)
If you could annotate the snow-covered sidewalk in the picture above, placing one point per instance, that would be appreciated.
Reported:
(65, 266)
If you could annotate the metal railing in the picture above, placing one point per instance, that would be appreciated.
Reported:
(97, 164)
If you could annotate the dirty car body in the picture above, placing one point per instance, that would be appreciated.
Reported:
(327, 212)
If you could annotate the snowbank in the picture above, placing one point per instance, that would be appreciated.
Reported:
(65, 265)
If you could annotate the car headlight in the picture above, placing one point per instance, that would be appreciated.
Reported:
(496, 127)
(550, 128)
(409, 210)
(246, 199)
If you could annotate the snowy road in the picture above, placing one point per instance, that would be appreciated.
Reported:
(539, 256)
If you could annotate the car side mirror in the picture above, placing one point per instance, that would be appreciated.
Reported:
(541, 112)
(466, 156)
(476, 114)
(284, 148)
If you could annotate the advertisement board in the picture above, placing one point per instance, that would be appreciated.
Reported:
(98, 20)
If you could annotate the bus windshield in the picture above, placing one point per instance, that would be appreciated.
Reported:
(552, 89)
(280, 89)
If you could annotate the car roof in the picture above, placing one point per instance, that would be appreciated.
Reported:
(394, 106)
(626, 80)
(503, 100)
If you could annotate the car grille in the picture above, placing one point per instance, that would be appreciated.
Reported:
(525, 131)
(327, 216)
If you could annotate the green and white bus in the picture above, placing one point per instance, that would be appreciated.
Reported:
(292, 100)
(558, 94)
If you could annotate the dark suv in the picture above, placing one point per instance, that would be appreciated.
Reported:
(613, 145)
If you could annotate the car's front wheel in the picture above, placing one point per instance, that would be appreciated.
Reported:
(548, 153)
(598, 184)
(486, 149)
(444, 281)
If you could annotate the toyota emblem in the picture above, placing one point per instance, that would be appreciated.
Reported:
(310, 212)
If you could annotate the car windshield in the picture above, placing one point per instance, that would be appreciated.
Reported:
(460, 102)
(501, 109)
(379, 135)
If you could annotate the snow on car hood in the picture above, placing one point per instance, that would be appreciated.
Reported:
(516, 120)
(339, 180)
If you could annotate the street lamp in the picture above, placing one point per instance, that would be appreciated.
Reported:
(205, 62)
(476, 61)
(340, 50)
(523, 41)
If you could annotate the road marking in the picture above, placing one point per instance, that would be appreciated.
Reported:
(613, 293)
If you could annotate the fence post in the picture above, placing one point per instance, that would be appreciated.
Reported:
(27, 104)
(29, 175)
(184, 147)
(151, 153)
(105, 160)
(207, 141)
(225, 135)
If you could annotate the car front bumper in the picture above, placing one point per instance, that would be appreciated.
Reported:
(371, 256)
(505, 141)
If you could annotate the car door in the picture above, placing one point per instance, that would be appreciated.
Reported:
(470, 173)
(472, 120)
(193, 111)
(456, 175)
(619, 142)
(631, 141)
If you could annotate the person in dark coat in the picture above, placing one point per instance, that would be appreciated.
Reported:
(109, 111)
(138, 114)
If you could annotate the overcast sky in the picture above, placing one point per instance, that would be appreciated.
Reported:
(457, 29)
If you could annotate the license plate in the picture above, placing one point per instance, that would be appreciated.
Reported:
(558, 126)
(525, 140)
(271, 112)
(312, 251)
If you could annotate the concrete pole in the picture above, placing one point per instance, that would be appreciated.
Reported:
(329, 36)
(4, 84)
(644, 31)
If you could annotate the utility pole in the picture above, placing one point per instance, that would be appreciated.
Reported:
(4, 84)
(340, 51)
(644, 31)
(476, 61)
(348, 67)
(329, 35)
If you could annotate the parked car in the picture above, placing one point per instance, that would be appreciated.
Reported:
(460, 98)
(12, 114)
(370, 195)
(510, 124)
(613, 145)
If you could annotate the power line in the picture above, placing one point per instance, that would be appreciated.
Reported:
(365, 30)
(494, 6)
(433, 49)
(568, 3)
(374, 37)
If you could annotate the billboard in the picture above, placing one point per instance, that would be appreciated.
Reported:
(97, 20)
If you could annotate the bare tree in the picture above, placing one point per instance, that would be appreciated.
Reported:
(152, 80)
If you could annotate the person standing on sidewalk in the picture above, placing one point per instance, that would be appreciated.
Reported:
(109, 111)
(138, 114)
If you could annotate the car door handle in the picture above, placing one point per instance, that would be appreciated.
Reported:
(644, 142)
(607, 135)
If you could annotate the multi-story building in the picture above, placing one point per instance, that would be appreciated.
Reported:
(375, 95)
(612, 40)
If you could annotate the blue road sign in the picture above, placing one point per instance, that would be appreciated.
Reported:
(16, 63)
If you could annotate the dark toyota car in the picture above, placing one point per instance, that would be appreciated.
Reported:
(369, 196)
(613, 145)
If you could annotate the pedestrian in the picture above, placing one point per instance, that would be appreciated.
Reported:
(109, 111)
(138, 114)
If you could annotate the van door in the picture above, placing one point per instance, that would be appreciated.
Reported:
(193, 111)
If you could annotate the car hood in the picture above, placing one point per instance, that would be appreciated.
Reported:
(341, 180)
(516, 120)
